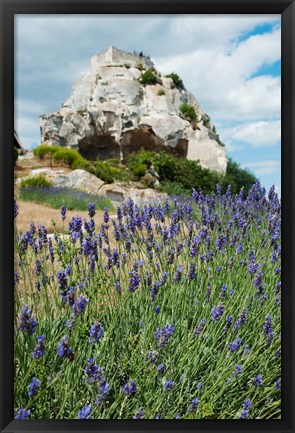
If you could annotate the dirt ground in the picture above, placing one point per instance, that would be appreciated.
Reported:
(42, 215)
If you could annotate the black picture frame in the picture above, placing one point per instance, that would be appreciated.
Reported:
(8, 8)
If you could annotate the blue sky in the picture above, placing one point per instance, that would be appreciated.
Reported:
(231, 63)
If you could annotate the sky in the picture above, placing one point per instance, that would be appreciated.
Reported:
(230, 63)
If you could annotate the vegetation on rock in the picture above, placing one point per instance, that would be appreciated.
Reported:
(176, 80)
(188, 111)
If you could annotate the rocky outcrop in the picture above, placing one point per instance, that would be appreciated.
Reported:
(110, 113)
(118, 193)
(84, 181)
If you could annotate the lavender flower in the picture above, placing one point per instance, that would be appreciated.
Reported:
(63, 212)
(217, 312)
(192, 271)
(223, 291)
(34, 387)
(23, 414)
(91, 210)
(79, 306)
(200, 327)
(246, 407)
(64, 349)
(152, 355)
(278, 385)
(96, 332)
(26, 322)
(169, 385)
(93, 373)
(39, 349)
(234, 346)
(139, 414)
(85, 412)
(160, 368)
(134, 281)
(178, 274)
(257, 381)
(157, 309)
(130, 388)
(242, 319)
(106, 217)
(238, 370)
(164, 334)
(103, 392)
(267, 329)
(194, 405)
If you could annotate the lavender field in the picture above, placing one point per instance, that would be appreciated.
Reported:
(171, 311)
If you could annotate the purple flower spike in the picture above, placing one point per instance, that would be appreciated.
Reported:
(23, 414)
(85, 412)
(130, 388)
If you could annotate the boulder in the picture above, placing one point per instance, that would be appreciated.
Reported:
(77, 179)
(119, 193)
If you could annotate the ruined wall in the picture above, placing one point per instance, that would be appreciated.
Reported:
(114, 56)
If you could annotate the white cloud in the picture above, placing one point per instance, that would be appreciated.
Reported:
(255, 134)
(221, 77)
(267, 167)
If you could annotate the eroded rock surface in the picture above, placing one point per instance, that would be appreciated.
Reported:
(111, 114)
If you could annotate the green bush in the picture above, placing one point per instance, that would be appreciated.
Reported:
(138, 170)
(15, 155)
(44, 150)
(206, 120)
(142, 157)
(36, 181)
(176, 80)
(70, 157)
(237, 177)
(161, 92)
(188, 111)
(148, 77)
(103, 172)
(175, 189)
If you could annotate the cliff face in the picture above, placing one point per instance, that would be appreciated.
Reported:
(111, 113)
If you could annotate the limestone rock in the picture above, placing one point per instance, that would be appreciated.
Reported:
(110, 114)
(77, 179)
(119, 193)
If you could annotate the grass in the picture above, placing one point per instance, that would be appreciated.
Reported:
(70, 198)
(176, 284)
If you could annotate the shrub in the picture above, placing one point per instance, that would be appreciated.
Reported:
(36, 181)
(175, 189)
(188, 111)
(148, 77)
(120, 173)
(68, 156)
(165, 166)
(161, 92)
(103, 172)
(81, 163)
(237, 177)
(44, 150)
(142, 157)
(206, 120)
(138, 170)
(176, 80)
